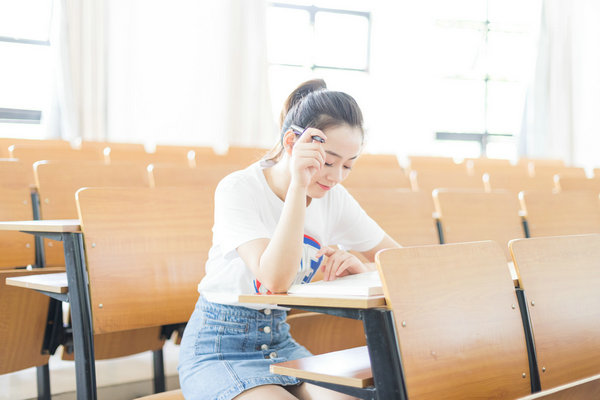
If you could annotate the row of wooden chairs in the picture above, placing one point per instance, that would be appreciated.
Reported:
(463, 331)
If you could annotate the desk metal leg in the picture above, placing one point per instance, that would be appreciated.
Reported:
(81, 316)
(384, 354)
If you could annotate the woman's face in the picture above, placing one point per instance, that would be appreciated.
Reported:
(342, 148)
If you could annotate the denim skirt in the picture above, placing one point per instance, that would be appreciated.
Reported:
(227, 349)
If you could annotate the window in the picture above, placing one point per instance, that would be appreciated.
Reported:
(25, 73)
(309, 39)
(485, 55)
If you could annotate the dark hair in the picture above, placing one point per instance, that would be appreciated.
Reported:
(312, 105)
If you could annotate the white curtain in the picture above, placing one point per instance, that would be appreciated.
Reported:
(562, 119)
(78, 45)
(189, 72)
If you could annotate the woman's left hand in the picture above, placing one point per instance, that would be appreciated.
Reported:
(339, 263)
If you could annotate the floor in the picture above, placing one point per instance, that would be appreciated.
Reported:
(118, 379)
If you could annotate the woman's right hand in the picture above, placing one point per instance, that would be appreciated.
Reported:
(308, 157)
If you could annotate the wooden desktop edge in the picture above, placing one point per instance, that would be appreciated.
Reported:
(55, 283)
(318, 301)
(49, 225)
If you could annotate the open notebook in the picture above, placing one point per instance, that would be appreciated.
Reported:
(365, 284)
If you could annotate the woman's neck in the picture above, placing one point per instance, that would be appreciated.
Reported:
(278, 178)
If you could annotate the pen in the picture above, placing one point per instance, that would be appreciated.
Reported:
(299, 131)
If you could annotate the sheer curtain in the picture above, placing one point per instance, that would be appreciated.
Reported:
(79, 58)
(562, 118)
(189, 72)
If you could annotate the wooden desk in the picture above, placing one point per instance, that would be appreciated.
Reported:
(77, 294)
(359, 302)
(379, 331)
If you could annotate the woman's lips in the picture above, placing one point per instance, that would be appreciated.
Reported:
(323, 186)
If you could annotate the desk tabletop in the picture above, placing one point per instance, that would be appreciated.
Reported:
(47, 225)
(55, 283)
(315, 300)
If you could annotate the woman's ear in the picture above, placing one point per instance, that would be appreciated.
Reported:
(289, 138)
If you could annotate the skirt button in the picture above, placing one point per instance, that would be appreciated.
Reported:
(267, 311)
(267, 329)
(264, 347)
(273, 355)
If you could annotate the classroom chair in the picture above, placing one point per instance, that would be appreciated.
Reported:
(433, 163)
(560, 277)
(479, 166)
(375, 178)
(458, 327)
(377, 161)
(467, 216)
(5, 143)
(530, 163)
(16, 249)
(587, 388)
(426, 180)
(204, 175)
(564, 213)
(32, 153)
(242, 156)
(550, 171)
(516, 182)
(57, 182)
(405, 215)
(570, 183)
(23, 330)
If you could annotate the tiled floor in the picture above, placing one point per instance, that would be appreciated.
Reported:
(122, 378)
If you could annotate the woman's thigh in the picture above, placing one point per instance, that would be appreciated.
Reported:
(266, 392)
(307, 391)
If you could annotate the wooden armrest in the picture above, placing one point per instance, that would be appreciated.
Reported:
(351, 367)
(55, 283)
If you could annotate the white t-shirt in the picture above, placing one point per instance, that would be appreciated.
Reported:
(246, 209)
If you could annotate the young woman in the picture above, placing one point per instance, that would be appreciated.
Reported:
(275, 223)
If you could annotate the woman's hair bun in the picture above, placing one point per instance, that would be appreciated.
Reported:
(298, 94)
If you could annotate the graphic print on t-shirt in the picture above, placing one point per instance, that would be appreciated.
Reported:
(309, 264)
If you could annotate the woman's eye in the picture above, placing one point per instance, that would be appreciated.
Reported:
(328, 164)
(347, 167)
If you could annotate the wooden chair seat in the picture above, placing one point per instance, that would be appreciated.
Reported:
(583, 389)
(350, 367)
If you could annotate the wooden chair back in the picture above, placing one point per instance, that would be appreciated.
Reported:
(16, 249)
(57, 182)
(376, 178)
(5, 143)
(560, 276)
(468, 216)
(190, 154)
(426, 181)
(570, 183)
(377, 161)
(206, 176)
(550, 171)
(406, 216)
(564, 213)
(433, 163)
(242, 156)
(24, 314)
(322, 333)
(458, 325)
(144, 265)
(478, 166)
(516, 183)
(33, 153)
